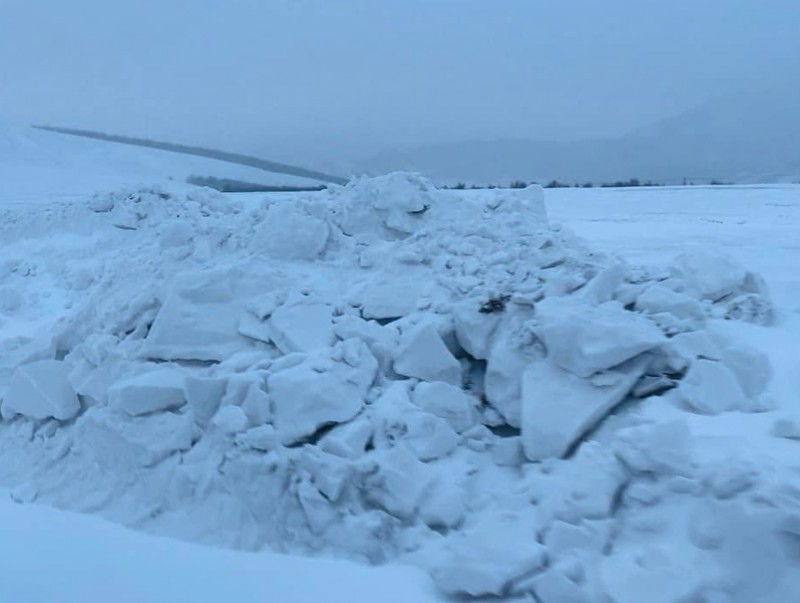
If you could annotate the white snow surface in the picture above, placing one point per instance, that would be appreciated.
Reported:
(37, 165)
(387, 372)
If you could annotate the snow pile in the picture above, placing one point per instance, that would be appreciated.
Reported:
(388, 371)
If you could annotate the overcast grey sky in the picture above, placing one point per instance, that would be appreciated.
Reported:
(256, 74)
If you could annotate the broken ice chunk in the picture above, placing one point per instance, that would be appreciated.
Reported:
(348, 440)
(40, 390)
(710, 387)
(397, 482)
(558, 407)
(230, 419)
(446, 401)
(507, 361)
(302, 327)
(604, 285)
(289, 232)
(709, 273)
(198, 321)
(657, 298)
(159, 389)
(305, 398)
(423, 354)
(119, 441)
(474, 328)
(585, 339)
(486, 558)
(751, 367)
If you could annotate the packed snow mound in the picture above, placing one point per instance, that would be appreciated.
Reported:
(380, 371)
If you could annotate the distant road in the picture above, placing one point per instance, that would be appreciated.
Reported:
(248, 160)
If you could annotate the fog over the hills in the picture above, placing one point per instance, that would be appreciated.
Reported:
(360, 84)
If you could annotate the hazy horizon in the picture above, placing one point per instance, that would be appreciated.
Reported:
(322, 78)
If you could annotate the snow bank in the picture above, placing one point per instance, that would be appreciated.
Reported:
(379, 371)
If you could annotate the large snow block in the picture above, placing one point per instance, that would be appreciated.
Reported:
(319, 392)
(198, 321)
(423, 354)
(585, 340)
(41, 390)
(160, 389)
(710, 387)
(709, 273)
(289, 232)
(391, 296)
(507, 362)
(302, 327)
(446, 401)
(487, 558)
(120, 442)
(558, 407)
(474, 329)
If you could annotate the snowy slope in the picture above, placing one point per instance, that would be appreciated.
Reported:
(50, 556)
(36, 165)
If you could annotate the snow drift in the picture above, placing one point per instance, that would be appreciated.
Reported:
(386, 371)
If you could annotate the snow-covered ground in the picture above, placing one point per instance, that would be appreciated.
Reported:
(52, 556)
(38, 166)
(280, 303)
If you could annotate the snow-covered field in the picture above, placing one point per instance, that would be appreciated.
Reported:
(37, 166)
(173, 361)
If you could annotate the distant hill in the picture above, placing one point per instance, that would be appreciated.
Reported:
(37, 165)
(753, 136)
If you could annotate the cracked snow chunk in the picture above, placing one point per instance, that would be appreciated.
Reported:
(40, 390)
(289, 232)
(685, 348)
(319, 391)
(391, 206)
(751, 367)
(507, 362)
(429, 437)
(119, 441)
(731, 477)
(443, 504)
(396, 482)
(474, 329)
(423, 354)
(751, 307)
(198, 321)
(661, 448)
(657, 298)
(558, 408)
(585, 340)
(204, 395)
(563, 538)
(159, 389)
(446, 401)
(348, 440)
(230, 419)
(603, 287)
(527, 202)
(554, 586)
(385, 298)
(485, 559)
(710, 387)
(302, 327)
(652, 574)
(213, 201)
(709, 273)
(508, 452)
